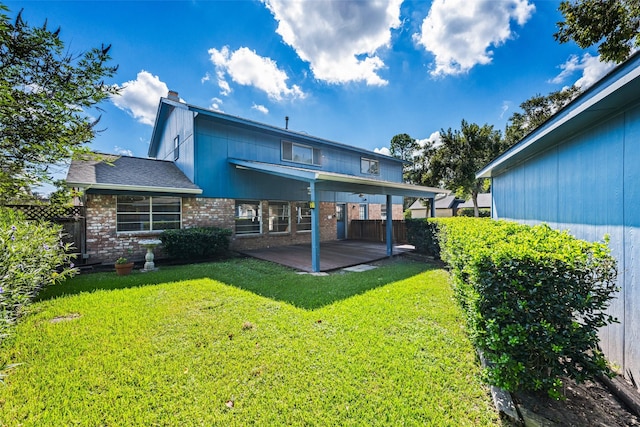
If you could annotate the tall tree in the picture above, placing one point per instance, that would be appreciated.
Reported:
(45, 94)
(615, 24)
(462, 153)
(404, 147)
(535, 111)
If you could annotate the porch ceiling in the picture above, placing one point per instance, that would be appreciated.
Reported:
(330, 181)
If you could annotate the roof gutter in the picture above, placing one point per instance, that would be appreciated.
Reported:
(136, 188)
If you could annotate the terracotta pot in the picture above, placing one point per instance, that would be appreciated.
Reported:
(124, 269)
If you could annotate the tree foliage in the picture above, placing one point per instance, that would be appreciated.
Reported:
(45, 93)
(463, 153)
(615, 24)
(535, 111)
(404, 147)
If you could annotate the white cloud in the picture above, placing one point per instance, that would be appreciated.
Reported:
(123, 151)
(140, 97)
(247, 68)
(505, 107)
(591, 66)
(384, 151)
(261, 108)
(434, 137)
(216, 104)
(339, 39)
(460, 33)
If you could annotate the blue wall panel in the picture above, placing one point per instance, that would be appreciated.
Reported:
(590, 185)
(217, 142)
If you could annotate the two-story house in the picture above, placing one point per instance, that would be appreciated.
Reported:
(271, 186)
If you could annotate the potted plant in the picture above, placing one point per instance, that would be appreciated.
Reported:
(123, 266)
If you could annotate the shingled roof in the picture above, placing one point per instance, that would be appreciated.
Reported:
(123, 173)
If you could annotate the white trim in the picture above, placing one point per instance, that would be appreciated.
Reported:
(124, 187)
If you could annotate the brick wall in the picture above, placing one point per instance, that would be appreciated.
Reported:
(328, 230)
(105, 245)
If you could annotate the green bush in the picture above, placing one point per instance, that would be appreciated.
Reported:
(534, 298)
(421, 233)
(196, 243)
(32, 256)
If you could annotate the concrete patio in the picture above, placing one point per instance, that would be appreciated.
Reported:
(333, 254)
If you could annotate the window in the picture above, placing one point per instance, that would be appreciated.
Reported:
(146, 213)
(383, 211)
(300, 153)
(303, 216)
(248, 217)
(279, 217)
(369, 166)
(362, 211)
(176, 148)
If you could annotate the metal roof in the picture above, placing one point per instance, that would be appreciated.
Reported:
(332, 181)
(608, 96)
(122, 173)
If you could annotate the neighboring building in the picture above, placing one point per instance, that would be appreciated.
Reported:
(580, 171)
(484, 203)
(271, 186)
(446, 206)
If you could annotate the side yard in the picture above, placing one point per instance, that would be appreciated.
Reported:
(246, 342)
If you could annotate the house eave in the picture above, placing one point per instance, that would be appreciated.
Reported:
(614, 91)
(135, 188)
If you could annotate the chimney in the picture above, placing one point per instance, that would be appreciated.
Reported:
(173, 95)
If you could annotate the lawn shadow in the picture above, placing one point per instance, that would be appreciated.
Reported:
(263, 278)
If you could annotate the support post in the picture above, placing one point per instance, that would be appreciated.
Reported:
(432, 203)
(315, 229)
(389, 225)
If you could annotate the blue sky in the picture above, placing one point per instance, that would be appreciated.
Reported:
(356, 72)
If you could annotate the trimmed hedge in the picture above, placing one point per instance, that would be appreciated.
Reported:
(196, 243)
(32, 256)
(534, 299)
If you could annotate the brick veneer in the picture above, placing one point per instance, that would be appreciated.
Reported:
(105, 245)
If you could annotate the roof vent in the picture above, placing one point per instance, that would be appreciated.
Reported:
(173, 95)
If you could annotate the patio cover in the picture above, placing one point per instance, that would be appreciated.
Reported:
(330, 181)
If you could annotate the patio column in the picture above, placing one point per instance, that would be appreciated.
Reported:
(315, 229)
(432, 203)
(389, 225)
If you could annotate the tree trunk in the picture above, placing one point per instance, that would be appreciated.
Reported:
(474, 197)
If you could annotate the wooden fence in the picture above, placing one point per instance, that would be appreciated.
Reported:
(375, 230)
(71, 218)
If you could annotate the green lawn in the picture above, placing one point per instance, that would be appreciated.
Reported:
(246, 342)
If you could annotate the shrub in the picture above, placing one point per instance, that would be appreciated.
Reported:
(196, 243)
(32, 256)
(421, 233)
(534, 298)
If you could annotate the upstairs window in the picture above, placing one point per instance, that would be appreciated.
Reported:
(146, 213)
(248, 217)
(299, 153)
(279, 217)
(176, 148)
(369, 166)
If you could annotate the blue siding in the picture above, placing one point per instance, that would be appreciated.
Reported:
(590, 185)
(179, 123)
(217, 142)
